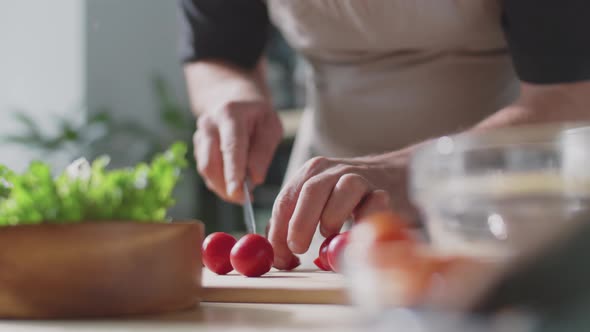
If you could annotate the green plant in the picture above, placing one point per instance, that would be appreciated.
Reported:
(101, 132)
(69, 132)
(100, 129)
(90, 192)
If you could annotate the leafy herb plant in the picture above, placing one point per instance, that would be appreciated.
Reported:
(90, 192)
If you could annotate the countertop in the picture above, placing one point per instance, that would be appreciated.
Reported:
(212, 317)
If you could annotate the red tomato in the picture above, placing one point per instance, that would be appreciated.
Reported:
(422, 273)
(252, 255)
(335, 249)
(216, 249)
(323, 255)
(381, 227)
(320, 265)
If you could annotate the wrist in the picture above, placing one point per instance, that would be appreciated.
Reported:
(212, 85)
(393, 159)
(537, 104)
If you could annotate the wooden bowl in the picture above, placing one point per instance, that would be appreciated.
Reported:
(99, 269)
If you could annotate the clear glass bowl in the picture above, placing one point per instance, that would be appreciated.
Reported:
(483, 196)
(486, 194)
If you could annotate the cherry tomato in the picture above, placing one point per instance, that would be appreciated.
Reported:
(216, 251)
(323, 255)
(322, 261)
(335, 249)
(423, 273)
(381, 227)
(318, 262)
(416, 277)
(252, 255)
(414, 272)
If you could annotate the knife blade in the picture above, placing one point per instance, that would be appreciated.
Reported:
(249, 219)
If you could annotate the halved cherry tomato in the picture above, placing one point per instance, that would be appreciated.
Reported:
(318, 262)
(413, 269)
(216, 251)
(381, 227)
(425, 273)
(252, 255)
(335, 249)
(323, 255)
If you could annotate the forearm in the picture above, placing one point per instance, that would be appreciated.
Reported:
(212, 83)
(539, 104)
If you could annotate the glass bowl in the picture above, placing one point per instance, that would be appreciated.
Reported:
(487, 194)
(484, 197)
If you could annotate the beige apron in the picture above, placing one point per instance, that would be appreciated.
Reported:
(383, 74)
(386, 73)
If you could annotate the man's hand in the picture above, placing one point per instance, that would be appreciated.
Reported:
(237, 130)
(330, 191)
(236, 140)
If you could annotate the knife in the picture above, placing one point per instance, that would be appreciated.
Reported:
(248, 210)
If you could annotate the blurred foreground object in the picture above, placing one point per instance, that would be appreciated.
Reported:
(488, 194)
(507, 215)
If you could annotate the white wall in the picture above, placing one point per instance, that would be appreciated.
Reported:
(41, 64)
(128, 41)
(72, 57)
(68, 56)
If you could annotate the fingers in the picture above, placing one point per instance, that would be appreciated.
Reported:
(237, 140)
(312, 199)
(278, 230)
(234, 143)
(284, 208)
(376, 201)
(329, 191)
(265, 140)
(319, 193)
(347, 194)
(208, 156)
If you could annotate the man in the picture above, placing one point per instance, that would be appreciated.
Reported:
(384, 75)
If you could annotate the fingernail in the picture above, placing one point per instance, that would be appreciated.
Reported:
(232, 187)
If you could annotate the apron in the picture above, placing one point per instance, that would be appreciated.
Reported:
(383, 74)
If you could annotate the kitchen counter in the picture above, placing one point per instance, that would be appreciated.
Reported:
(212, 317)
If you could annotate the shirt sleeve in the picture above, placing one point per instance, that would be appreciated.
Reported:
(549, 40)
(232, 30)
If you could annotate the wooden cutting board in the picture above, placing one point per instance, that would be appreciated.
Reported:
(296, 287)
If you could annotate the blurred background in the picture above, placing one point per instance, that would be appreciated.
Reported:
(92, 77)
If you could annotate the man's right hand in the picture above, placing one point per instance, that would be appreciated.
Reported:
(238, 139)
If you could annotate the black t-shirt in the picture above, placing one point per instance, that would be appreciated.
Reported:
(549, 40)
